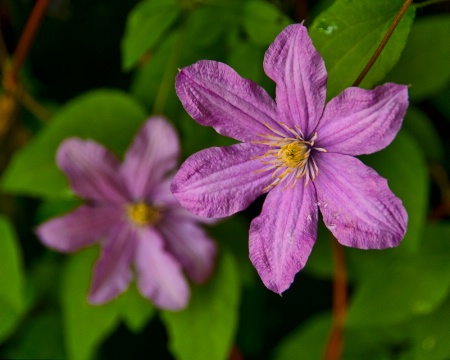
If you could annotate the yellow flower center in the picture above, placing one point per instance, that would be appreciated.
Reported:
(289, 156)
(142, 214)
(293, 154)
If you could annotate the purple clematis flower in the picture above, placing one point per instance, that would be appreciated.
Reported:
(131, 212)
(298, 150)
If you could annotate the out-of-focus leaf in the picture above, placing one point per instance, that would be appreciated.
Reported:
(347, 34)
(263, 21)
(12, 301)
(85, 325)
(430, 335)
(196, 137)
(442, 103)
(108, 116)
(420, 127)
(395, 285)
(146, 24)
(208, 23)
(206, 328)
(403, 164)
(425, 61)
(148, 78)
(307, 342)
(232, 233)
(41, 338)
(320, 262)
(247, 60)
(135, 310)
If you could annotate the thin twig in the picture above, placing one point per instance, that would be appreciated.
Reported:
(334, 348)
(27, 38)
(383, 42)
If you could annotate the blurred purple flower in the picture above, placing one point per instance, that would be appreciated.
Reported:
(131, 212)
(298, 150)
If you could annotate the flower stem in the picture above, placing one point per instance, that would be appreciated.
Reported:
(383, 42)
(334, 347)
(27, 38)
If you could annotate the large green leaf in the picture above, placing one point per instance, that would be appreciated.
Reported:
(395, 285)
(12, 301)
(431, 335)
(306, 342)
(135, 310)
(108, 116)
(403, 164)
(422, 129)
(85, 325)
(146, 24)
(347, 34)
(40, 338)
(262, 21)
(206, 328)
(424, 63)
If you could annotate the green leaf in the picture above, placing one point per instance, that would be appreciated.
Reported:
(348, 33)
(430, 335)
(40, 338)
(146, 24)
(147, 80)
(232, 233)
(403, 164)
(263, 21)
(86, 326)
(309, 340)
(425, 61)
(108, 116)
(12, 301)
(205, 330)
(421, 128)
(402, 284)
(247, 60)
(208, 23)
(196, 137)
(136, 311)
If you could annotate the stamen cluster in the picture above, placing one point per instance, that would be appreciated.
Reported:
(289, 156)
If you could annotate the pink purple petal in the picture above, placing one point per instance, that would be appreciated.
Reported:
(160, 277)
(357, 205)
(190, 244)
(362, 121)
(152, 154)
(92, 171)
(282, 237)
(112, 272)
(300, 75)
(218, 182)
(81, 228)
(215, 95)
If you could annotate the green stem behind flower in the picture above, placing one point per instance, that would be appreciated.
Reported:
(383, 42)
(335, 344)
(334, 348)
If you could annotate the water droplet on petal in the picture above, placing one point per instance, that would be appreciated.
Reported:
(331, 227)
(324, 205)
(309, 217)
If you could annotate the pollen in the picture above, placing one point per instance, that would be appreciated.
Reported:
(293, 154)
(289, 156)
(142, 214)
